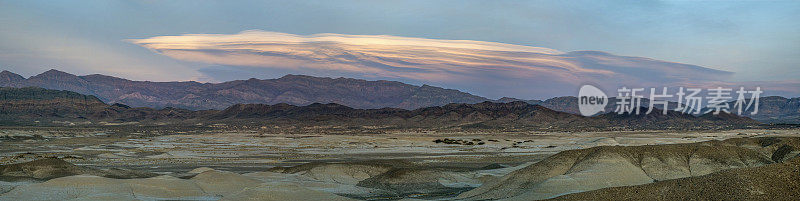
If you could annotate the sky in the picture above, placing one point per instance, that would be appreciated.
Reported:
(522, 49)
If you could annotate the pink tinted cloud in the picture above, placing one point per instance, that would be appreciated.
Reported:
(451, 63)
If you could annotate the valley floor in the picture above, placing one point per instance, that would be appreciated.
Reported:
(239, 164)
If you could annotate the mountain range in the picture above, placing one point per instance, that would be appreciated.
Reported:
(290, 89)
(29, 104)
(772, 109)
(304, 90)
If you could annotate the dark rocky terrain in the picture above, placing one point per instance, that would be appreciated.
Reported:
(486, 115)
(53, 168)
(305, 90)
(569, 104)
(772, 109)
(776, 109)
(26, 105)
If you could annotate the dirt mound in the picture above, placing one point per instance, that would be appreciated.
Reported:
(405, 181)
(345, 173)
(221, 183)
(770, 182)
(93, 188)
(609, 166)
(41, 169)
(390, 178)
(208, 185)
(54, 168)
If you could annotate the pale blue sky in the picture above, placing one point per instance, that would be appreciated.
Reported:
(757, 40)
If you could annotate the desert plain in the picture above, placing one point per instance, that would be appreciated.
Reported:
(144, 163)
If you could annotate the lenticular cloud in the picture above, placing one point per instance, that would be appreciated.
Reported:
(486, 68)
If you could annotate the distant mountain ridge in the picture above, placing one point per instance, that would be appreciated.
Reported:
(772, 109)
(569, 104)
(290, 89)
(305, 90)
(26, 105)
(775, 109)
(23, 105)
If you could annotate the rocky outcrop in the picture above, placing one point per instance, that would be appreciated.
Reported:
(779, 181)
(427, 181)
(54, 168)
(611, 166)
(344, 173)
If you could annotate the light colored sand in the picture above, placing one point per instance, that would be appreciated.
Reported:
(281, 192)
(199, 170)
(343, 173)
(588, 175)
(207, 185)
(612, 166)
(234, 150)
(246, 148)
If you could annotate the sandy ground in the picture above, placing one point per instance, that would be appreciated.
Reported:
(246, 151)
(250, 153)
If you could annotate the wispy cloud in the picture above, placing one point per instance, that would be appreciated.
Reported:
(486, 68)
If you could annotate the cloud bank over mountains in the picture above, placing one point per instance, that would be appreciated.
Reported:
(484, 68)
